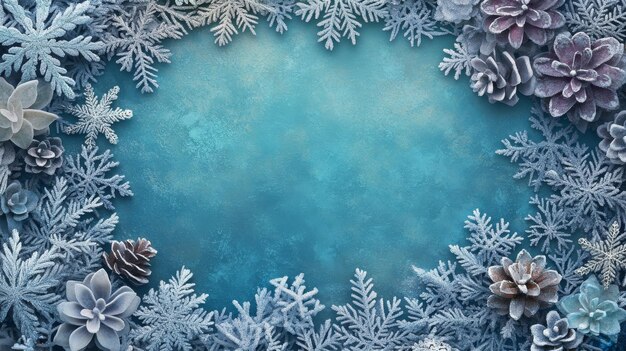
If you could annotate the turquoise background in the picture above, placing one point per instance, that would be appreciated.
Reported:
(273, 156)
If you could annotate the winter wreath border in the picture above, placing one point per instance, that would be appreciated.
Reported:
(58, 217)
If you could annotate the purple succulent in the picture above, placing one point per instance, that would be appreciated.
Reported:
(580, 75)
(514, 21)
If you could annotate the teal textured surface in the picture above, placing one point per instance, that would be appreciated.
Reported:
(273, 156)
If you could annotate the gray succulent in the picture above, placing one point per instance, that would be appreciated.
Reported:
(580, 75)
(92, 310)
(556, 335)
(20, 111)
(501, 76)
(16, 203)
(613, 134)
(44, 156)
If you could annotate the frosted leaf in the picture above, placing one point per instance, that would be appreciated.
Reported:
(228, 17)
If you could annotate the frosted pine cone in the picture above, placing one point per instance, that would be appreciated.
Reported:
(514, 21)
(522, 287)
(131, 259)
(613, 136)
(500, 76)
(580, 75)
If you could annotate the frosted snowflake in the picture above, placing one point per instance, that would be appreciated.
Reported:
(608, 256)
(37, 41)
(414, 18)
(95, 117)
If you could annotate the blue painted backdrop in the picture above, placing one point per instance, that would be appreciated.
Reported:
(272, 157)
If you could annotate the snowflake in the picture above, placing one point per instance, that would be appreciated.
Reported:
(589, 188)
(171, 317)
(88, 175)
(607, 256)
(26, 286)
(36, 42)
(95, 117)
(550, 225)
(538, 157)
(415, 19)
(458, 61)
(280, 11)
(289, 310)
(598, 18)
(368, 324)
(340, 17)
(136, 41)
(231, 15)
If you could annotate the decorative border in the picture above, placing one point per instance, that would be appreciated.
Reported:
(58, 208)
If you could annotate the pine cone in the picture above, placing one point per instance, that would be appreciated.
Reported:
(522, 287)
(580, 75)
(501, 76)
(514, 21)
(613, 136)
(131, 259)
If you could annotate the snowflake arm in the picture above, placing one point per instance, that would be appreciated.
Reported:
(368, 324)
(341, 17)
(414, 19)
(458, 61)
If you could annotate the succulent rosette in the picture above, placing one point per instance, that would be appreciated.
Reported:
(555, 335)
(93, 310)
(594, 310)
(580, 75)
(514, 21)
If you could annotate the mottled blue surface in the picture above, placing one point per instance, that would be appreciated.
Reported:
(273, 157)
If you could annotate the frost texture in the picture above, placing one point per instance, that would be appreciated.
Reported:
(340, 18)
(598, 18)
(96, 117)
(608, 257)
(38, 41)
(171, 317)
